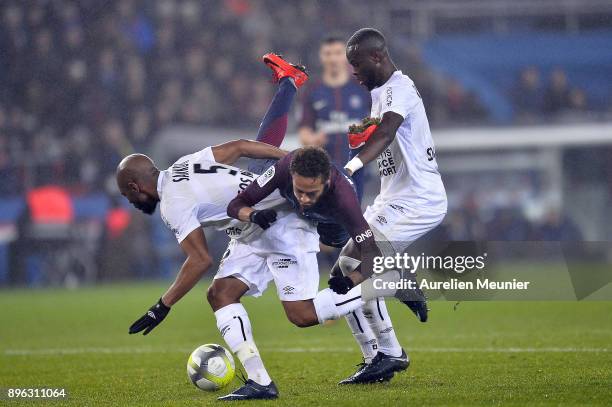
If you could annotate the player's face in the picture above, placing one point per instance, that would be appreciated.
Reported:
(333, 57)
(364, 67)
(139, 199)
(308, 190)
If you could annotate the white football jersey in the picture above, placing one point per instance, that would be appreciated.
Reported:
(408, 169)
(196, 190)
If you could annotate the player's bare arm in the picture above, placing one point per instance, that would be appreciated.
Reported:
(195, 266)
(230, 152)
(382, 137)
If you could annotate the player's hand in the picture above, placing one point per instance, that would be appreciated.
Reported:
(151, 319)
(264, 218)
(340, 284)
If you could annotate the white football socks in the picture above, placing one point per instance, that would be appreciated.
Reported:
(376, 314)
(330, 305)
(235, 327)
(363, 334)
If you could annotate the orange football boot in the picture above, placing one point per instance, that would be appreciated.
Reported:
(282, 69)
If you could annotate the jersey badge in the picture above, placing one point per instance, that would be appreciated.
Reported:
(264, 178)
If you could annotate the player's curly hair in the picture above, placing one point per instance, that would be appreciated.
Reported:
(311, 162)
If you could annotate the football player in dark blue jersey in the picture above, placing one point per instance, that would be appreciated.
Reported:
(331, 103)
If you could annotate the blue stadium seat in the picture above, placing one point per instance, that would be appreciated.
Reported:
(92, 206)
(489, 64)
(11, 209)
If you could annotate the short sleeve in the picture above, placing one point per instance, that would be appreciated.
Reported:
(181, 217)
(399, 98)
(206, 154)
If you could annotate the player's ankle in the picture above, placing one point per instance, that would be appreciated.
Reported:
(395, 352)
(261, 378)
(290, 79)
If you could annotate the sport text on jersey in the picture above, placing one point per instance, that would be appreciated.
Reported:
(386, 163)
(180, 171)
(431, 154)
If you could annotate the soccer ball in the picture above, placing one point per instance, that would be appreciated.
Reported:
(210, 367)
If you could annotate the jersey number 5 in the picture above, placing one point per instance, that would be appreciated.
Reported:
(213, 169)
(245, 179)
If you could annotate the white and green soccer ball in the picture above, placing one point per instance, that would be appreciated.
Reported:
(211, 367)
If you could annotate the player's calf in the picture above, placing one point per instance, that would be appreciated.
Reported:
(325, 306)
(301, 313)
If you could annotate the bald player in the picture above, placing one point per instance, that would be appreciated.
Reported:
(194, 193)
(142, 183)
(412, 199)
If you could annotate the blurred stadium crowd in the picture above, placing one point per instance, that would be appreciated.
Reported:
(84, 83)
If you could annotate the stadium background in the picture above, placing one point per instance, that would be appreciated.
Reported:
(518, 96)
(520, 102)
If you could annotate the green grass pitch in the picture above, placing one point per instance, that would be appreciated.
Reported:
(482, 353)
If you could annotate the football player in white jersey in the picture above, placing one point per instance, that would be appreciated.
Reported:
(194, 193)
(412, 199)
(276, 243)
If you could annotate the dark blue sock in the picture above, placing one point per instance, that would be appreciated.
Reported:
(274, 124)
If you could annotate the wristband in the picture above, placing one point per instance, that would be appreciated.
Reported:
(354, 165)
(163, 306)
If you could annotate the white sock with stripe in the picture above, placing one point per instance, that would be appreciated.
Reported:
(363, 334)
(376, 314)
(235, 327)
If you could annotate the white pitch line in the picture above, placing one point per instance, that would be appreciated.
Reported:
(102, 350)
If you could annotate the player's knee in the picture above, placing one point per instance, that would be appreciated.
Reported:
(217, 297)
(223, 293)
(300, 321)
(211, 295)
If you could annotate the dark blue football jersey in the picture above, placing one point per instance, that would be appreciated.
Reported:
(332, 111)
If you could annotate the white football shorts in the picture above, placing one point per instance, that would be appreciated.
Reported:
(286, 253)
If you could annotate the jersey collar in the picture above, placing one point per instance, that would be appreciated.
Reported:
(398, 72)
(160, 182)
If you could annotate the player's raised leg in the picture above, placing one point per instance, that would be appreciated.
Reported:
(296, 276)
(274, 123)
